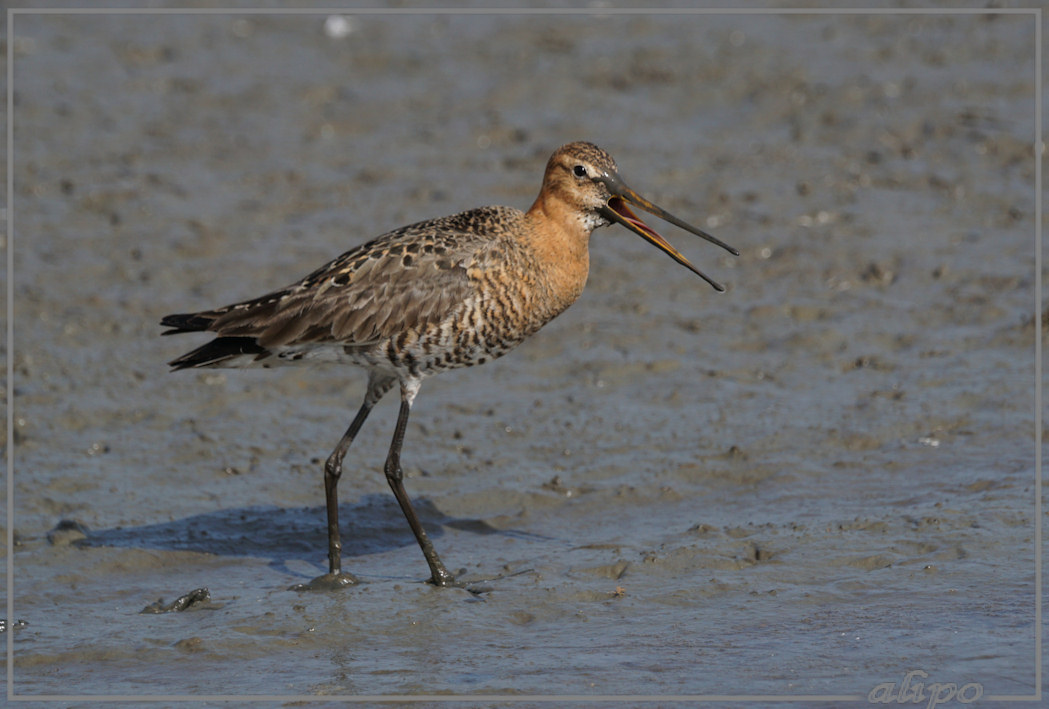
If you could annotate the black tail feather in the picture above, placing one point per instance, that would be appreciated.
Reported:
(217, 351)
(186, 322)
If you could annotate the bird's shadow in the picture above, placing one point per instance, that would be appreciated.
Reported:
(371, 525)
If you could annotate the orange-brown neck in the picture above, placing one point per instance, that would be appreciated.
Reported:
(558, 236)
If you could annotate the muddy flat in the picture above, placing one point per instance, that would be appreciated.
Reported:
(812, 484)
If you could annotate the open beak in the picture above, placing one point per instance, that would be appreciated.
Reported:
(617, 210)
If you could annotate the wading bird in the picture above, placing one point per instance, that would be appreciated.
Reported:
(436, 295)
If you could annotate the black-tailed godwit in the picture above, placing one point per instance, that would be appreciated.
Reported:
(440, 294)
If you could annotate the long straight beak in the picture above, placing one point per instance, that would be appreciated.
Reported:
(616, 209)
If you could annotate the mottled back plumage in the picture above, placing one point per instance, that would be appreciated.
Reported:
(401, 297)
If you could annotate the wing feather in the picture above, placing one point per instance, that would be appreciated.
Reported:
(409, 279)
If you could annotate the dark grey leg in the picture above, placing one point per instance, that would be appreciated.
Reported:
(332, 473)
(333, 470)
(394, 476)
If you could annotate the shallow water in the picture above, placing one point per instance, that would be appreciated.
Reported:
(815, 483)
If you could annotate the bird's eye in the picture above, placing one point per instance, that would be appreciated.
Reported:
(579, 171)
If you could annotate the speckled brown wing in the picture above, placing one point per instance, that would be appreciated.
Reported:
(402, 281)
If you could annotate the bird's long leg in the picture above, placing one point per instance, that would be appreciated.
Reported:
(394, 476)
(377, 387)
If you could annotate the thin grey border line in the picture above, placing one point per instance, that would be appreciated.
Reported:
(405, 698)
(1039, 155)
(10, 367)
(516, 11)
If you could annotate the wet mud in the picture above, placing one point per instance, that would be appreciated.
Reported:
(810, 485)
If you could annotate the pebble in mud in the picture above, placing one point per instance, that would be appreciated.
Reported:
(195, 599)
(67, 531)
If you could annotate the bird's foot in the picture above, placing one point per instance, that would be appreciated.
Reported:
(474, 583)
(441, 578)
(328, 582)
